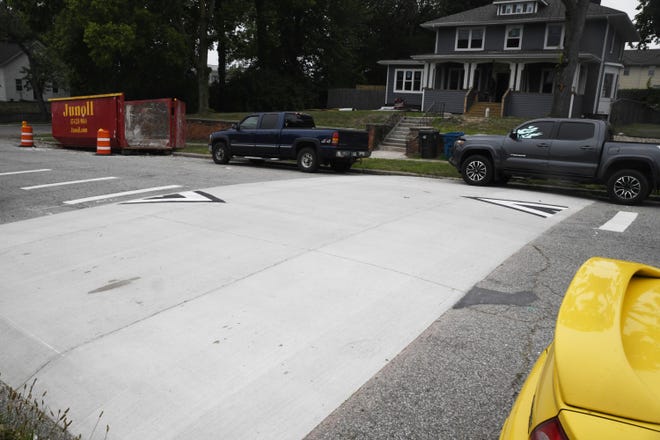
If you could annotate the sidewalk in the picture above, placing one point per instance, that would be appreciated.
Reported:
(381, 154)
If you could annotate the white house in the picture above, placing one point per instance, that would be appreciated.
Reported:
(641, 69)
(13, 86)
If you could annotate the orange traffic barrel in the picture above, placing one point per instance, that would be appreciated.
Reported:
(26, 135)
(103, 141)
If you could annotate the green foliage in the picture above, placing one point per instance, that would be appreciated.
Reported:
(138, 47)
(650, 97)
(647, 22)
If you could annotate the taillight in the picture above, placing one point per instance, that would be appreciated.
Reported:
(335, 138)
(549, 430)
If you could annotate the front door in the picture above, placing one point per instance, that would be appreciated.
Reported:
(608, 90)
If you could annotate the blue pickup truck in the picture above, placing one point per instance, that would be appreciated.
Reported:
(290, 136)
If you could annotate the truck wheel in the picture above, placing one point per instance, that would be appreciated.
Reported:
(341, 166)
(477, 170)
(627, 187)
(220, 153)
(307, 160)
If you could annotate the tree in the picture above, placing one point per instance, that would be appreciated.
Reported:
(647, 22)
(205, 8)
(576, 15)
(26, 23)
(141, 47)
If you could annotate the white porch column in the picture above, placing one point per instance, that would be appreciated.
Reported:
(471, 68)
(574, 89)
(467, 70)
(430, 81)
(513, 73)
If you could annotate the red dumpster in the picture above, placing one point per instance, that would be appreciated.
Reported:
(155, 124)
(76, 120)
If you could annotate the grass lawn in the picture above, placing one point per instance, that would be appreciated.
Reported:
(359, 119)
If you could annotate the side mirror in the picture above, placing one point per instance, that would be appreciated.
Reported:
(513, 135)
(235, 127)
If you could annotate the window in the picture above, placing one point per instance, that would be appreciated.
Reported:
(535, 130)
(608, 86)
(626, 71)
(516, 8)
(298, 120)
(269, 121)
(408, 80)
(651, 70)
(455, 79)
(554, 36)
(575, 131)
(19, 85)
(513, 37)
(250, 123)
(470, 39)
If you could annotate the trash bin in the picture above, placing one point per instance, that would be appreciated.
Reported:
(449, 139)
(428, 143)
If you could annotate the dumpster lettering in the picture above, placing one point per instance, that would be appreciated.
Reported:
(87, 109)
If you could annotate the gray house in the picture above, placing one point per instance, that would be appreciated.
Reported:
(500, 58)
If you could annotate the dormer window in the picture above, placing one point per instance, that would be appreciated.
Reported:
(519, 7)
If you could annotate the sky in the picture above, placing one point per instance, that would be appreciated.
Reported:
(628, 6)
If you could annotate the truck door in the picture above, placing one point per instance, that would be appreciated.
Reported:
(267, 136)
(527, 151)
(575, 150)
(242, 141)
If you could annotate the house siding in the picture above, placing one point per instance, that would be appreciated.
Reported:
(13, 70)
(452, 101)
(531, 105)
(411, 98)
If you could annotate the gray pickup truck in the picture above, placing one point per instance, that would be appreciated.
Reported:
(290, 136)
(567, 149)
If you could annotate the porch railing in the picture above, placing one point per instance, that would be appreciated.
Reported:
(470, 99)
(505, 102)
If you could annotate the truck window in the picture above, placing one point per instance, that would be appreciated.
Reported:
(298, 120)
(535, 130)
(250, 123)
(269, 121)
(575, 131)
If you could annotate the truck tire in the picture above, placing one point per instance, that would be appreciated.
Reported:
(308, 161)
(477, 170)
(341, 166)
(220, 152)
(627, 187)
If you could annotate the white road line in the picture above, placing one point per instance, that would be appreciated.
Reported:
(121, 194)
(619, 222)
(25, 172)
(70, 182)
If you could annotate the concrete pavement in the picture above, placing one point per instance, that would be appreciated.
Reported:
(253, 318)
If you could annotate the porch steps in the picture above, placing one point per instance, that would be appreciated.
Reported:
(478, 109)
(397, 137)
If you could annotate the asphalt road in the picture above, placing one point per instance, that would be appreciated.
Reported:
(459, 377)
(45, 183)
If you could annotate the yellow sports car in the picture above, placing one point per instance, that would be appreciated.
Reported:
(600, 377)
